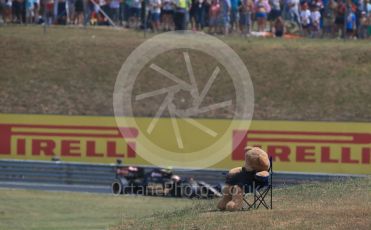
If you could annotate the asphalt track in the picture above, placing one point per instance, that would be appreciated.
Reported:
(281, 180)
(97, 178)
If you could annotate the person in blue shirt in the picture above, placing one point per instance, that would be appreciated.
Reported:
(29, 5)
(350, 24)
(234, 14)
(224, 19)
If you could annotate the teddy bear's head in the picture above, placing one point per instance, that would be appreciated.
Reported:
(256, 159)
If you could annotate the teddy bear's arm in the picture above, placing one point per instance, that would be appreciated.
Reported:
(232, 176)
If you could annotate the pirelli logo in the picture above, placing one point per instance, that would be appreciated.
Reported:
(296, 146)
(70, 141)
(305, 146)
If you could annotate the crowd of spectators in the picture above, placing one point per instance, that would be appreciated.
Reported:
(312, 18)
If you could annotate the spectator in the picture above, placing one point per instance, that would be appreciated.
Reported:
(29, 6)
(293, 11)
(144, 16)
(79, 12)
(36, 10)
(339, 19)
(89, 15)
(101, 17)
(115, 10)
(2, 6)
(305, 18)
(155, 6)
(62, 12)
(319, 4)
(368, 7)
(315, 17)
(278, 29)
(219, 15)
(71, 11)
(180, 16)
(350, 24)
(350, 6)
(7, 11)
(126, 12)
(167, 14)
(192, 15)
(200, 12)
(329, 18)
(234, 14)
(275, 12)
(246, 9)
(121, 12)
(135, 9)
(359, 8)
(214, 12)
(49, 11)
(362, 33)
(262, 8)
(17, 11)
(224, 16)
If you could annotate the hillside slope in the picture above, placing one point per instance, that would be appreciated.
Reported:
(73, 71)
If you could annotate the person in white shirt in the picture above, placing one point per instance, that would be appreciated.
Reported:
(135, 9)
(305, 18)
(167, 14)
(315, 18)
(155, 6)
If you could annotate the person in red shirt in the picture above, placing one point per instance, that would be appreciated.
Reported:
(213, 16)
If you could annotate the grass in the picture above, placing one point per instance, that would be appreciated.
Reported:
(334, 205)
(40, 210)
(73, 71)
(342, 204)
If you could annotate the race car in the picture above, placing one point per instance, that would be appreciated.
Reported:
(129, 179)
(159, 182)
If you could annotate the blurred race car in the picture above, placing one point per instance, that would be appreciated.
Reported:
(129, 179)
(159, 182)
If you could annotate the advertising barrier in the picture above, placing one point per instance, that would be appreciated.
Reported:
(311, 147)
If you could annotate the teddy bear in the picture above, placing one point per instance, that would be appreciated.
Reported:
(239, 179)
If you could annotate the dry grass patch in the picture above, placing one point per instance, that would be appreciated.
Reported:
(334, 205)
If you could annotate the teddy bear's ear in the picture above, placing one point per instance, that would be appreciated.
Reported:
(248, 148)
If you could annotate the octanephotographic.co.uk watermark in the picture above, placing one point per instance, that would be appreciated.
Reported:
(182, 72)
